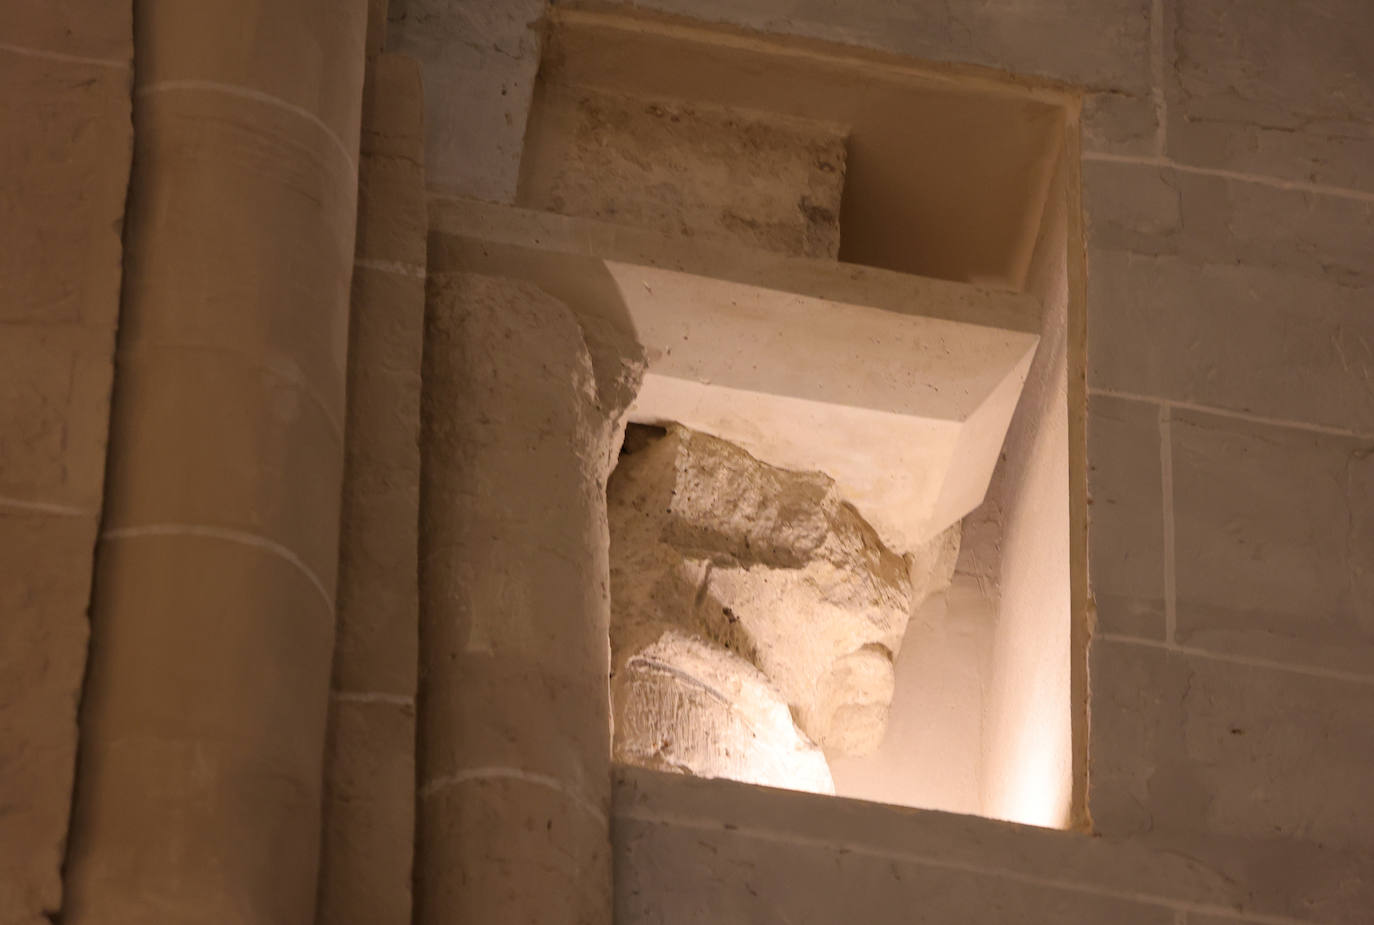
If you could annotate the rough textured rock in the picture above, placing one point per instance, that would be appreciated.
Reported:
(684, 705)
(770, 568)
(762, 181)
(479, 59)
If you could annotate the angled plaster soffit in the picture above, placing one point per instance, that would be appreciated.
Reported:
(898, 387)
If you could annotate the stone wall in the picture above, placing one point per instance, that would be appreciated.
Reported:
(203, 715)
(690, 850)
(65, 74)
(1227, 189)
(1228, 192)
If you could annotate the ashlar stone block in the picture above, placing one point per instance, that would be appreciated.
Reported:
(766, 182)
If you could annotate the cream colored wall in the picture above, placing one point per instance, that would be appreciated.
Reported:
(1027, 743)
(932, 754)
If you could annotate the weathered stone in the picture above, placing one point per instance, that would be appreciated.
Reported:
(479, 59)
(272, 458)
(369, 796)
(765, 182)
(774, 856)
(684, 705)
(366, 850)
(711, 846)
(1165, 212)
(1275, 88)
(1126, 519)
(1275, 542)
(83, 28)
(66, 172)
(805, 364)
(204, 711)
(1226, 293)
(271, 160)
(65, 148)
(54, 411)
(192, 726)
(515, 612)
(1193, 749)
(1120, 124)
(770, 565)
(1101, 45)
(43, 630)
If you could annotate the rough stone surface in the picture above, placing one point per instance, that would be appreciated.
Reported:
(760, 181)
(685, 705)
(1269, 87)
(1125, 485)
(769, 566)
(1230, 294)
(369, 795)
(1196, 749)
(1101, 45)
(1121, 124)
(479, 59)
(43, 632)
(64, 171)
(369, 812)
(751, 856)
(1275, 542)
(515, 611)
(693, 850)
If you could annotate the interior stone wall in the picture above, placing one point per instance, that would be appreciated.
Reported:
(1228, 187)
(65, 146)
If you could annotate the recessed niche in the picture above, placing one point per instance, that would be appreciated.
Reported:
(922, 171)
(842, 553)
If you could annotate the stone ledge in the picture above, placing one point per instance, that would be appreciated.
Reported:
(674, 835)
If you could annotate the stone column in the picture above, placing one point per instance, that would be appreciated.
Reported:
(515, 611)
(369, 779)
(203, 718)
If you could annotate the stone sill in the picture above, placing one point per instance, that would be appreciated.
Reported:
(669, 827)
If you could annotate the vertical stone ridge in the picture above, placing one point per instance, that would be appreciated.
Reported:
(203, 715)
(514, 704)
(65, 104)
(368, 834)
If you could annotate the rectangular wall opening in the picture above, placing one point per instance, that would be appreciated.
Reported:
(846, 524)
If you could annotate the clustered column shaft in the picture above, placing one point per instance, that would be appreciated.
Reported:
(203, 723)
(514, 705)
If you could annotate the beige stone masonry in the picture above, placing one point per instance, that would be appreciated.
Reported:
(65, 144)
(692, 851)
(515, 609)
(203, 720)
(763, 182)
(369, 789)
